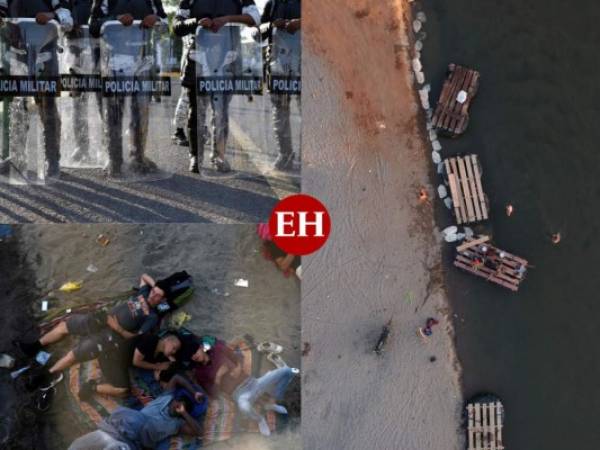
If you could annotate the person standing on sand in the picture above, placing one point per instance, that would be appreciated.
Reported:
(105, 336)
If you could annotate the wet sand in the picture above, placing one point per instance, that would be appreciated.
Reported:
(215, 255)
(366, 159)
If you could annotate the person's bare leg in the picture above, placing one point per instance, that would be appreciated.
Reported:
(64, 363)
(55, 334)
(109, 389)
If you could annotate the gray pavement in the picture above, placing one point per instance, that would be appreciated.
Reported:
(172, 195)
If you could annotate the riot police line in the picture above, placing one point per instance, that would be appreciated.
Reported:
(125, 63)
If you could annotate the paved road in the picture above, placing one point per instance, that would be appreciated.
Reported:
(173, 195)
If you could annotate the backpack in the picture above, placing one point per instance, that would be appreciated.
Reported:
(179, 292)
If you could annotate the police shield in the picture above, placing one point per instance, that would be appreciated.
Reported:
(285, 87)
(29, 85)
(80, 107)
(136, 94)
(230, 112)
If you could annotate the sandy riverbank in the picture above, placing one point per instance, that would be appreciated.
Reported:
(366, 158)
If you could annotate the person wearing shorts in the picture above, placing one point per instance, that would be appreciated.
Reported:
(106, 336)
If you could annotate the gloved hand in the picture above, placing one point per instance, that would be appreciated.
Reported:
(65, 19)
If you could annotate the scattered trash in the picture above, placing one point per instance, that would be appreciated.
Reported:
(461, 97)
(306, 348)
(240, 282)
(103, 240)
(92, 268)
(442, 191)
(417, 25)
(556, 238)
(383, 337)
(6, 361)
(45, 305)
(71, 286)
(42, 357)
(509, 210)
(416, 65)
(68, 311)
(269, 347)
(180, 318)
(451, 234)
(453, 229)
(427, 330)
(17, 373)
(276, 360)
(469, 232)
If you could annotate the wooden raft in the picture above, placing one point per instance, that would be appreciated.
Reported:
(484, 428)
(464, 180)
(450, 116)
(486, 261)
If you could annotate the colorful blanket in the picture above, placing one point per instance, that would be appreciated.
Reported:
(221, 421)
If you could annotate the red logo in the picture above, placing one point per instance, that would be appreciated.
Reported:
(300, 224)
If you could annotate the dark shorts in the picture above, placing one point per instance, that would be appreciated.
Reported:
(99, 342)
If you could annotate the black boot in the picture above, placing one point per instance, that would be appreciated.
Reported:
(284, 161)
(195, 153)
(179, 138)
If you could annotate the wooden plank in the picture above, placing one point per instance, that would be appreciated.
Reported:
(470, 437)
(474, 192)
(459, 75)
(457, 107)
(477, 174)
(492, 414)
(464, 182)
(461, 200)
(500, 423)
(482, 274)
(478, 426)
(454, 191)
(472, 243)
(484, 426)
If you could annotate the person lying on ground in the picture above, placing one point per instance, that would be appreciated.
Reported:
(219, 370)
(104, 335)
(129, 429)
(156, 351)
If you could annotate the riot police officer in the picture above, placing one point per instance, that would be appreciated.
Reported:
(43, 11)
(81, 11)
(211, 15)
(283, 15)
(150, 12)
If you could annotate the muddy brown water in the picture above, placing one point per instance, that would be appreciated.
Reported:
(269, 309)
